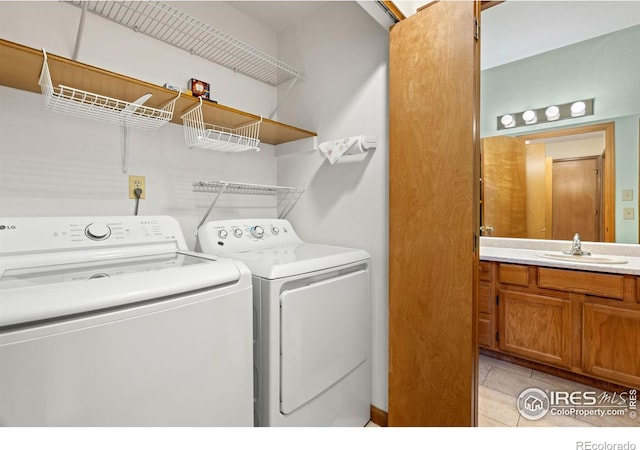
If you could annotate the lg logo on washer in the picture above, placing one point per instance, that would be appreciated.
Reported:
(7, 227)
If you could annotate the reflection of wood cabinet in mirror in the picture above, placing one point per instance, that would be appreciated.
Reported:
(532, 205)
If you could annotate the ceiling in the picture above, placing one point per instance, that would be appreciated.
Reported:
(275, 15)
(511, 30)
(517, 29)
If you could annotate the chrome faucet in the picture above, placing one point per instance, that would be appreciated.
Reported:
(576, 247)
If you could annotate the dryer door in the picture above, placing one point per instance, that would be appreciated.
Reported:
(324, 336)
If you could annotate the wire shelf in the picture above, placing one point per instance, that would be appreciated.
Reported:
(76, 102)
(198, 134)
(170, 25)
(286, 197)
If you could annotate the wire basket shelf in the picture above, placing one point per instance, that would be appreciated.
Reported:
(174, 27)
(286, 197)
(198, 134)
(79, 103)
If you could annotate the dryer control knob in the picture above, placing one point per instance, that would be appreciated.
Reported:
(222, 234)
(97, 231)
(257, 232)
(237, 232)
(275, 230)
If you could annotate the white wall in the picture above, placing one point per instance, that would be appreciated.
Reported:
(52, 164)
(344, 53)
(575, 148)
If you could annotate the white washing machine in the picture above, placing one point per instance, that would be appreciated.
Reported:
(312, 322)
(110, 321)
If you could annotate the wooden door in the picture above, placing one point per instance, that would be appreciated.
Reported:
(548, 197)
(504, 200)
(577, 198)
(536, 171)
(611, 343)
(536, 327)
(433, 216)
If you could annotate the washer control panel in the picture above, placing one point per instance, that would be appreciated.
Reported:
(228, 236)
(26, 234)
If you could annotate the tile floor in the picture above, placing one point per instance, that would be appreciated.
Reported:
(500, 384)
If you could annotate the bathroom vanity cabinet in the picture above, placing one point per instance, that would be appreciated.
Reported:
(583, 322)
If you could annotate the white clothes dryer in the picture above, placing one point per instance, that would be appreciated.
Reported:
(111, 321)
(311, 322)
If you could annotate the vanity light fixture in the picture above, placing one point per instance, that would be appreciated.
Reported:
(530, 117)
(551, 113)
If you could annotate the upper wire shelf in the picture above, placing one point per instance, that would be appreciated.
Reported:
(76, 102)
(198, 134)
(286, 197)
(174, 27)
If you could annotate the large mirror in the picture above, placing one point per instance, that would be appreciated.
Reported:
(549, 180)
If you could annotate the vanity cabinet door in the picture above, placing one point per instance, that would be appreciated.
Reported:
(611, 343)
(486, 309)
(536, 327)
(486, 322)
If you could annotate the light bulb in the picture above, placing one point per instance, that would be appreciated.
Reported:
(508, 121)
(578, 109)
(552, 113)
(529, 117)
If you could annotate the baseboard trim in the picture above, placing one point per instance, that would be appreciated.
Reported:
(379, 417)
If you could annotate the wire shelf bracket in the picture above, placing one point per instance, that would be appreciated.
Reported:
(174, 27)
(286, 196)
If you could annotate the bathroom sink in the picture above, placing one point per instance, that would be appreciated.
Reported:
(592, 259)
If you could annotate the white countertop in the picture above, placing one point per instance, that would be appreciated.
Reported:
(530, 251)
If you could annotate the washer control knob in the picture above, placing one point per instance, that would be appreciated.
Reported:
(237, 232)
(257, 232)
(97, 231)
(275, 230)
(222, 234)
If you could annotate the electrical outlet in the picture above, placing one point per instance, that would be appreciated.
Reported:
(136, 181)
(627, 213)
(627, 195)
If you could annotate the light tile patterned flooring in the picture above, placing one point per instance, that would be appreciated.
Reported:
(500, 384)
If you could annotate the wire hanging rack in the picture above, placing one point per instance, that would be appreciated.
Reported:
(79, 103)
(172, 26)
(286, 197)
(198, 134)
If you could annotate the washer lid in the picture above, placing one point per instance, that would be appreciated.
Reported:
(291, 260)
(39, 292)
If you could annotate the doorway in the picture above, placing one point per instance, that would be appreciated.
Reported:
(576, 198)
(599, 180)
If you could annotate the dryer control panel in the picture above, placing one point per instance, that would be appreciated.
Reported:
(240, 235)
